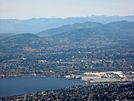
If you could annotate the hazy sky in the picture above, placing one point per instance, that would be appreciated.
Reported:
(23, 9)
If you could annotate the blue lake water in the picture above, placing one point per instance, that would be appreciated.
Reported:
(21, 85)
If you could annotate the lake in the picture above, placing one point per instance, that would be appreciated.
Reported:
(21, 85)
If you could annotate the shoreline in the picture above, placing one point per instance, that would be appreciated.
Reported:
(58, 89)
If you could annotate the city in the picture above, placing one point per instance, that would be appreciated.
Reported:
(66, 50)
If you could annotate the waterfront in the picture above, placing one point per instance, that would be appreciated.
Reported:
(20, 85)
(120, 91)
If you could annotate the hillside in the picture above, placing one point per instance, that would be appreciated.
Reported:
(92, 34)
(21, 42)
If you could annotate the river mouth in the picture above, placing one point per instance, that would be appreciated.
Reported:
(22, 85)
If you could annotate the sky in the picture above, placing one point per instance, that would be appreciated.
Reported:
(25, 9)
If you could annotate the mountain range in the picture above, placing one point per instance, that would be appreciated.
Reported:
(37, 25)
(80, 35)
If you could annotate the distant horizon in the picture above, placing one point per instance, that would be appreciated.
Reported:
(27, 9)
(67, 17)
